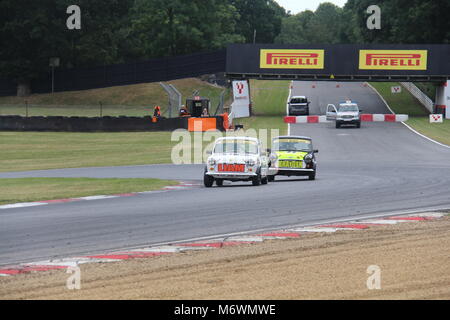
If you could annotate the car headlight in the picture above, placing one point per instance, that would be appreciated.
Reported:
(308, 157)
(250, 162)
(273, 157)
(211, 161)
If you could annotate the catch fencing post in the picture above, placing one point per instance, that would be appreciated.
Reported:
(219, 109)
(174, 97)
(177, 96)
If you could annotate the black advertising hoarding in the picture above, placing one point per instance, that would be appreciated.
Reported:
(430, 62)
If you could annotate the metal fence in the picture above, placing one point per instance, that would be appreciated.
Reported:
(155, 70)
(220, 105)
(175, 101)
(174, 104)
(419, 95)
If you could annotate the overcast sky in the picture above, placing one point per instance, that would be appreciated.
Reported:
(297, 6)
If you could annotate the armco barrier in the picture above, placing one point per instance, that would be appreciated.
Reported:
(364, 118)
(104, 124)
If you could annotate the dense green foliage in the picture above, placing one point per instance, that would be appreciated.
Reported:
(307, 27)
(32, 32)
(402, 21)
(115, 31)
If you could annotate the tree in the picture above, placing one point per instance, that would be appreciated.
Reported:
(307, 27)
(295, 29)
(264, 16)
(173, 27)
(34, 31)
(402, 21)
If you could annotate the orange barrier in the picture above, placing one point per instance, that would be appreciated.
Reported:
(202, 124)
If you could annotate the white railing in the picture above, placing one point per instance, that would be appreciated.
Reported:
(422, 97)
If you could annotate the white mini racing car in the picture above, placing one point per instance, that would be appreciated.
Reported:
(236, 159)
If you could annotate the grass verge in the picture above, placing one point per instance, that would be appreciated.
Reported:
(132, 100)
(265, 122)
(269, 97)
(22, 151)
(40, 189)
(429, 88)
(436, 131)
(401, 103)
(405, 103)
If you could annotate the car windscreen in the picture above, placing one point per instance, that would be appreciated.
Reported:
(299, 100)
(236, 147)
(352, 108)
(292, 145)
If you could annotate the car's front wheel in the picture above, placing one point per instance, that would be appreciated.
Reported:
(271, 178)
(312, 176)
(256, 181)
(219, 182)
(208, 181)
(265, 180)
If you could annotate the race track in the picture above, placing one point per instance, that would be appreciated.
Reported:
(381, 167)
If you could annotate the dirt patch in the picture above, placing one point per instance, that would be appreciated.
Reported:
(413, 257)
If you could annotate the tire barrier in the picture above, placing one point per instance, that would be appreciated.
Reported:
(103, 124)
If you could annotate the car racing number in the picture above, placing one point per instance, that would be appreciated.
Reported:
(290, 164)
(222, 167)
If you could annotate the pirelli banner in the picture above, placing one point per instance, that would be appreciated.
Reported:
(348, 62)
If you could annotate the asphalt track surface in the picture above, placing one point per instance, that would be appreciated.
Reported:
(382, 167)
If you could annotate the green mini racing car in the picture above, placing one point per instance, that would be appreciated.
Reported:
(292, 156)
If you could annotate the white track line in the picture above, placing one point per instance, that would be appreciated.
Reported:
(96, 198)
(22, 205)
(318, 229)
(246, 239)
(424, 136)
(428, 215)
(99, 197)
(379, 221)
(163, 249)
(68, 262)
